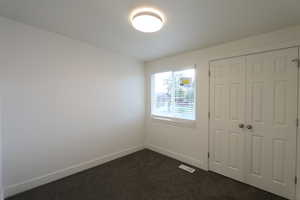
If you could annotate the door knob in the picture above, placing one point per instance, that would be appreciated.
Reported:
(241, 125)
(249, 127)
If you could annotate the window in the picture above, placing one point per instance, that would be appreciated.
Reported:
(173, 94)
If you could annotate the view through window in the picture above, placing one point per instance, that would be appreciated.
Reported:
(173, 94)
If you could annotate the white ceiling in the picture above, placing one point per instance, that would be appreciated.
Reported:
(191, 24)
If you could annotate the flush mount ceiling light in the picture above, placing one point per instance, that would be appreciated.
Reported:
(147, 20)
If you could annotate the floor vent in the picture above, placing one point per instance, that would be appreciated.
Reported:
(187, 168)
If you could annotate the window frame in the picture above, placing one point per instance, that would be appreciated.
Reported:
(169, 119)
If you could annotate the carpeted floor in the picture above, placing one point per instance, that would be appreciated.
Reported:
(145, 175)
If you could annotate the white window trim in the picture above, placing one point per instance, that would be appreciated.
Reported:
(173, 120)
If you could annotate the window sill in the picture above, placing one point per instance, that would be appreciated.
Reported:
(174, 121)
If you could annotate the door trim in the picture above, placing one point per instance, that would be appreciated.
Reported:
(254, 53)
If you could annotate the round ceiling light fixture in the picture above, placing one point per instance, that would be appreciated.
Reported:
(147, 20)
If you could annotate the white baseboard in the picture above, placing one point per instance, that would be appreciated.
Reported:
(38, 181)
(177, 156)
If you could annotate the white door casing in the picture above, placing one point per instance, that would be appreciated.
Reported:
(258, 90)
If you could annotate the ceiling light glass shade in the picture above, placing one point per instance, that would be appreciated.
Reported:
(147, 20)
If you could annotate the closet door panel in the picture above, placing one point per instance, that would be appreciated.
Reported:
(227, 104)
(271, 111)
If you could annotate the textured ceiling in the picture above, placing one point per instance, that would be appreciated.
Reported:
(191, 24)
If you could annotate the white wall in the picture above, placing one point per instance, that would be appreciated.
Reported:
(67, 106)
(191, 144)
(1, 173)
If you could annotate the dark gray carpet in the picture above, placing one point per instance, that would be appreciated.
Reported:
(145, 175)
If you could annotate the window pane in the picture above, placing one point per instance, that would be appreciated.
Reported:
(184, 94)
(173, 94)
(162, 94)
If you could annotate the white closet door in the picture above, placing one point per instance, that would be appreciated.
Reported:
(271, 111)
(227, 107)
